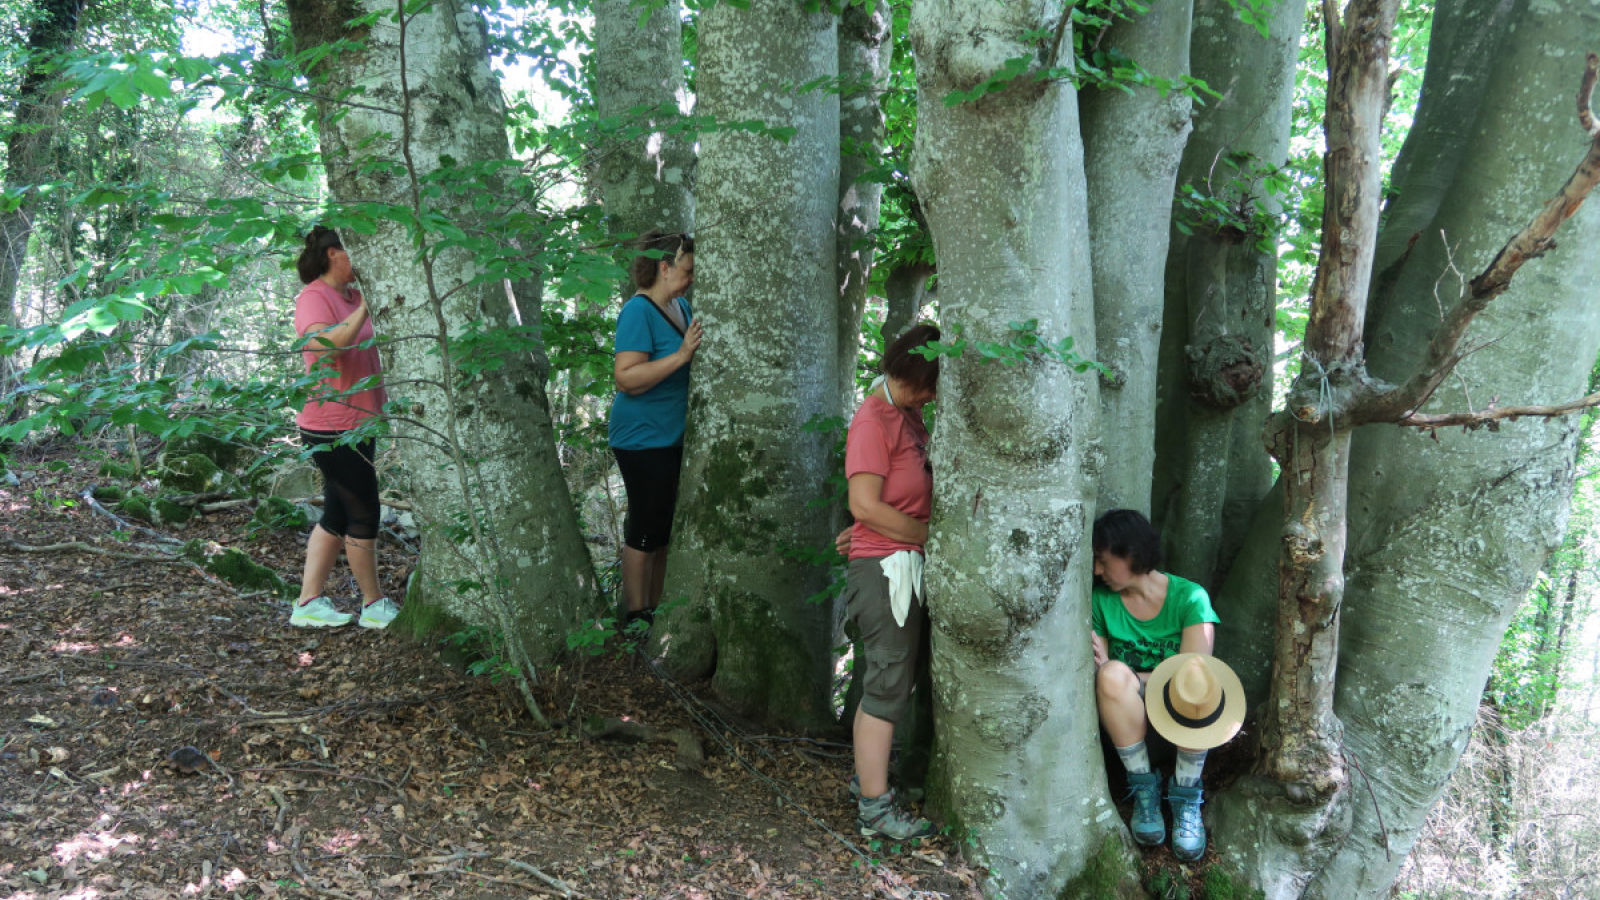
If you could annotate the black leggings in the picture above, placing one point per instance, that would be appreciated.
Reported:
(349, 484)
(651, 479)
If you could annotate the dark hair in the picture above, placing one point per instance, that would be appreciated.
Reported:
(1128, 534)
(313, 261)
(913, 369)
(671, 246)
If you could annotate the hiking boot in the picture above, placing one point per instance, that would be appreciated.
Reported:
(1146, 824)
(318, 612)
(379, 613)
(882, 817)
(1188, 831)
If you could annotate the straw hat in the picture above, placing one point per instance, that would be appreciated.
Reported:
(1195, 701)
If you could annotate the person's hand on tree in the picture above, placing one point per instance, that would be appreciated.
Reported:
(1102, 653)
(841, 542)
(691, 341)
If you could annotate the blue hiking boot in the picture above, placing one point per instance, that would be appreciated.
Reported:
(1188, 831)
(1147, 827)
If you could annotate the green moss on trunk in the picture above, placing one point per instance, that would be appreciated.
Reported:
(1108, 875)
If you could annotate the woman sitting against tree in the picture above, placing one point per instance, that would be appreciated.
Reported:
(332, 317)
(656, 341)
(891, 498)
(1153, 634)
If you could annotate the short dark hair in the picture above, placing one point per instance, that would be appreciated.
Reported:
(1128, 534)
(670, 247)
(913, 369)
(313, 261)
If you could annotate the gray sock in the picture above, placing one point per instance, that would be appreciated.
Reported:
(1190, 762)
(1135, 759)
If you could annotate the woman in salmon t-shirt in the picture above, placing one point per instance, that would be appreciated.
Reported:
(332, 317)
(891, 497)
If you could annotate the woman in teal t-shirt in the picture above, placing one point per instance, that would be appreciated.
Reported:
(656, 340)
(1141, 617)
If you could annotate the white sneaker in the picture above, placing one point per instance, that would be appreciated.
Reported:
(379, 613)
(318, 612)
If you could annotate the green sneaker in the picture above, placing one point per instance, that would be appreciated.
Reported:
(318, 612)
(1146, 824)
(883, 817)
(1188, 831)
(379, 613)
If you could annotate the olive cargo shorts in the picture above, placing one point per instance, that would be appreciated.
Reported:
(890, 650)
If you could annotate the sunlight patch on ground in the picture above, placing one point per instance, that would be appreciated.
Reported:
(74, 647)
(342, 841)
(93, 845)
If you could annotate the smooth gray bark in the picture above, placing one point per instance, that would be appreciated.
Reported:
(1211, 468)
(645, 170)
(1452, 532)
(1002, 182)
(479, 454)
(864, 54)
(767, 294)
(1132, 143)
(905, 293)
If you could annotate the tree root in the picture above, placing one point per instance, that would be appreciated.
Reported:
(691, 756)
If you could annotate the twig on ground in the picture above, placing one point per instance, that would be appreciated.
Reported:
(283, 807)
(81, 547)
(556, 883)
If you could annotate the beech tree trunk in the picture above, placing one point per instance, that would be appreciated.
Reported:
(501, 546)
(645, 171)
(1446, 533)
(1133, 142)
(1300, 777)
(1221, 291)
(864, 55)
(767, 293)
(1449, 534)
(1018, 766)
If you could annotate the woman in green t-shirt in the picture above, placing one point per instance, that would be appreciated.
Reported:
(1142, 616)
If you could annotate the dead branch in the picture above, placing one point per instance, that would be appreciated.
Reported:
(1493, 414)
(88, 497)
(81, 547)
(555, 883)
(348, 706)
(1533, 241)
(283, 807)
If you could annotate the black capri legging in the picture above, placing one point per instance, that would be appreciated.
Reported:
(651, 480)
(349, 484)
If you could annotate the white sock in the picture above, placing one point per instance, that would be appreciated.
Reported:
(1135, 759)
(1190, 762)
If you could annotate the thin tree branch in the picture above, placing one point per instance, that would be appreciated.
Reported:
(1492, 415)
(1533, 241)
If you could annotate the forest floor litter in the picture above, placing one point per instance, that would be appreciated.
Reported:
(163, 734)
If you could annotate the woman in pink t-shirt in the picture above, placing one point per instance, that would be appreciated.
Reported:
(333, 319)
(891, 497)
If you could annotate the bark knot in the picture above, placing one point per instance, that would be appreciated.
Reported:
(1225, 371)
